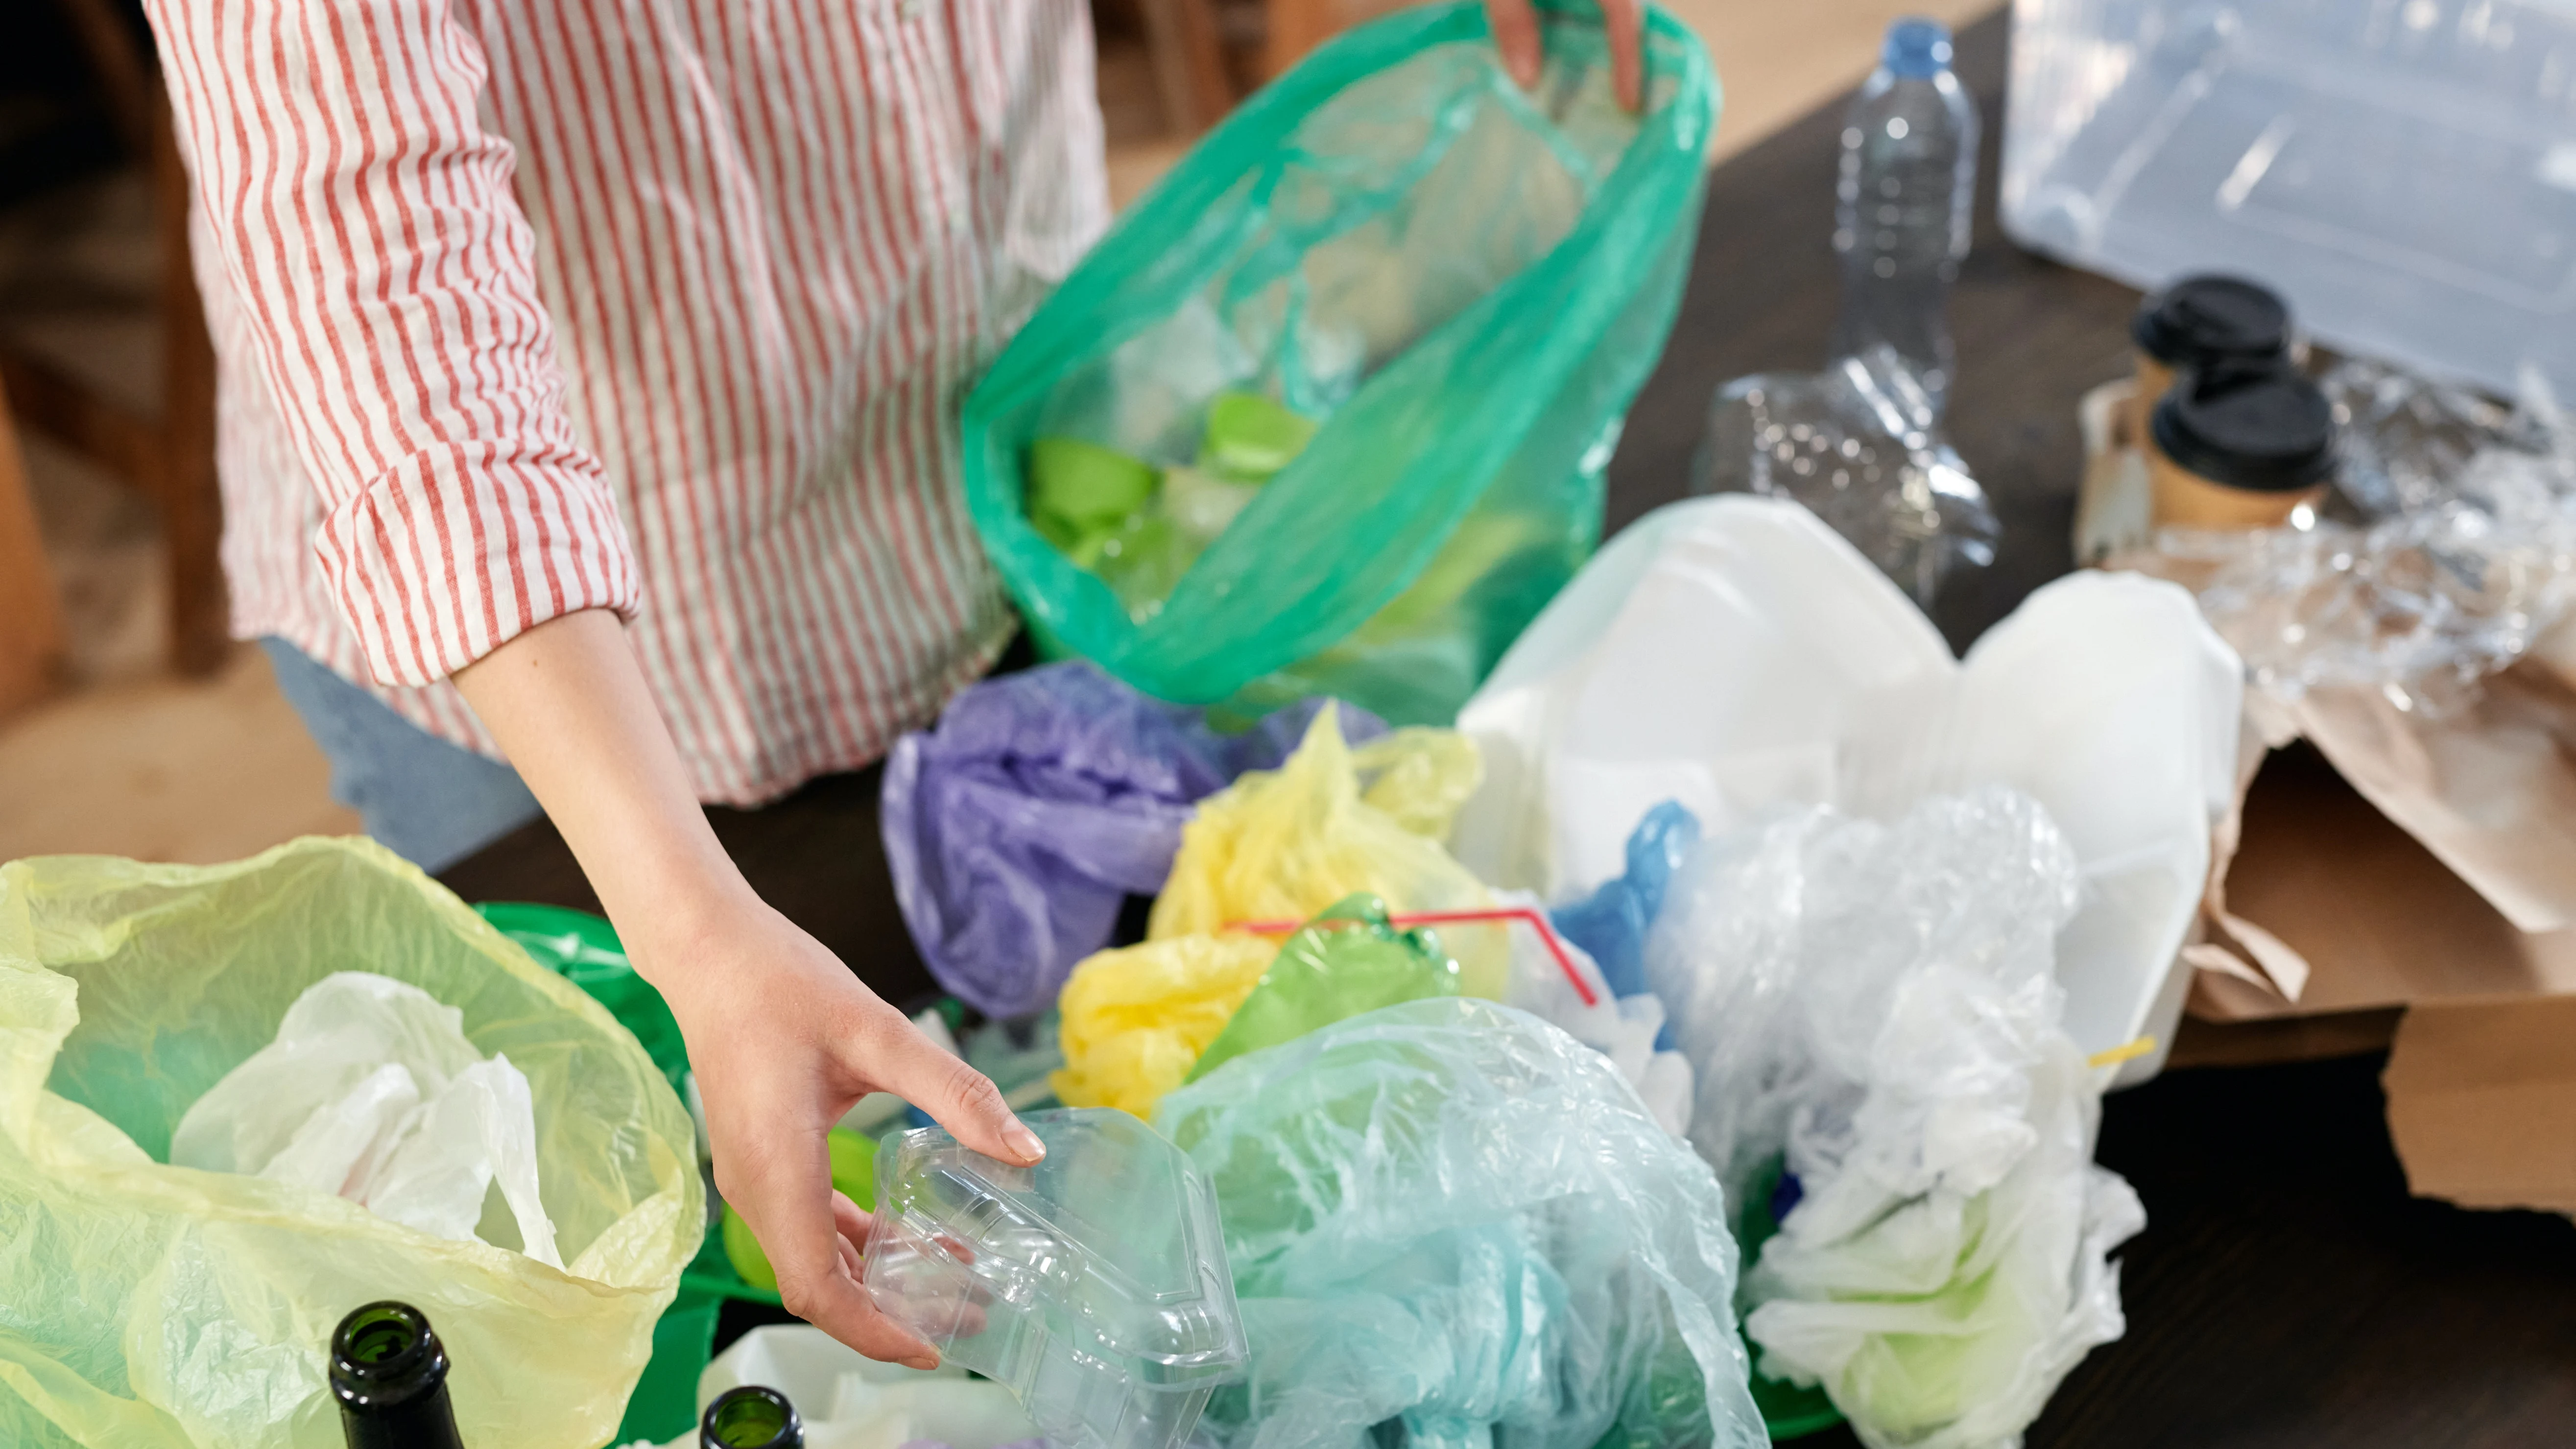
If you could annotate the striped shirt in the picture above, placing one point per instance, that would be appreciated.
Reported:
(665, 306)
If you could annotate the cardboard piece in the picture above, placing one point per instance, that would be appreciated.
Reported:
(2482, 1101)
(2391, 880)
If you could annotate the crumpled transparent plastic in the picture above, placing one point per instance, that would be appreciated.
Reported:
(1285, 844)
(154, 1307)
(1018, 827)
(1734, 654)
(1453, 1215)
(2467, 557)
(1875, 1007)
(1860, 446)
(372, 1092)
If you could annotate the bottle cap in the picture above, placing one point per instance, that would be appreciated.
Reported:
(2202, 320)
(1916, 48)
(2262, 429)
(385, 1355)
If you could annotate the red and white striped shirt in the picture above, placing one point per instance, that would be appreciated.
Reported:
(529, 306)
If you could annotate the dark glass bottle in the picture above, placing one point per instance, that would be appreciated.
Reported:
(389, 1374)
(751, 1417)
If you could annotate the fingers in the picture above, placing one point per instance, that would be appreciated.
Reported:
(1626, 22)
(1515, 27)
(785, 1193)
(957, 1096)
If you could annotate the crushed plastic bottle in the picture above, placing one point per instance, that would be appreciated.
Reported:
(1093, 1285)
(1859, 445)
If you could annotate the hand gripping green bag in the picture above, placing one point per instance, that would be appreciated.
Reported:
(1466, 282)
(152, 1307)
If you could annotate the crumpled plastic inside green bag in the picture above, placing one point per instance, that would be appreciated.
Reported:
(151, 1307)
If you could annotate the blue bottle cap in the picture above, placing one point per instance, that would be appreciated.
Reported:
(1916, 49)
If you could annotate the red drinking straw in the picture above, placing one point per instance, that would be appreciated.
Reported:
(1535, 919)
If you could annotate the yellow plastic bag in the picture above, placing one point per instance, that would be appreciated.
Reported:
(152, 1307)
(1284, 845)
(1134, 1020)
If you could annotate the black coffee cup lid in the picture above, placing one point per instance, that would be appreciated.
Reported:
(2264, 429)
(2201, 320)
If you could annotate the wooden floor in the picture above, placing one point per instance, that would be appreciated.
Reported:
(134, 763)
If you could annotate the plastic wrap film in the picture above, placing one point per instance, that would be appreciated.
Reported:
(1017, 828)
(1286, 844)
(1859, 446)
(1450, 1215)
(1874, 1008)
(2465, 556)
(1465, 281)
(153, 1307)
(1574, 995)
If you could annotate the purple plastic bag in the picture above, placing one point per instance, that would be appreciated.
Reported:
(1042, 800)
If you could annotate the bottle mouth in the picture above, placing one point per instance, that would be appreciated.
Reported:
(752, 1417)
(385, 1353)
(1916, 48)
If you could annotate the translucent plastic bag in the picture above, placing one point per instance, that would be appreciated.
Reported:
(1282, 845)
(1017, 829)
(1468, 282)
(154, 1307)
(1451, 1214)
(1874, 1013)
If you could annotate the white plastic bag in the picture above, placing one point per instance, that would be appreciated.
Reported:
(1735, 654)
(372, 1092)
(1620, 1028)
(1874, 1013)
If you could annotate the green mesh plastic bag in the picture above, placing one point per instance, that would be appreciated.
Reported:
(1467, 282)
(145, 1306)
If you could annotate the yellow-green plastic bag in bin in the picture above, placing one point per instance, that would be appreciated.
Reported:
(153, 1307)
(1464, 281)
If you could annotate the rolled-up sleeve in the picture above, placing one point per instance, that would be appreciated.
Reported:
(365, 221)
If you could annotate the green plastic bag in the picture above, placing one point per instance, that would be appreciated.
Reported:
(1347, 961)
(1467, 282)
(151, 1307)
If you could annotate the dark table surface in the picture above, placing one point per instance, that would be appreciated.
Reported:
(2287, 1290)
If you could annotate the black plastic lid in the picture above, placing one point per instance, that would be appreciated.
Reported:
(2202, 320)
(2263, 429)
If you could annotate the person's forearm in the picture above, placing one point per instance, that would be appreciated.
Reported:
(568, 703)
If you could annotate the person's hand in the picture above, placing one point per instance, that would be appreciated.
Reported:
(1516, 35)
(784, 1040)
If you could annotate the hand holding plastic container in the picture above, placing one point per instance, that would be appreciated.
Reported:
(1093, 1285)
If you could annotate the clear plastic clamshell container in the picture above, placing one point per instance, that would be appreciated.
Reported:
(2403, 171)
(1094, 1285)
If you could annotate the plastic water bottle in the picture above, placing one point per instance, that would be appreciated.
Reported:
(1909, 178)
